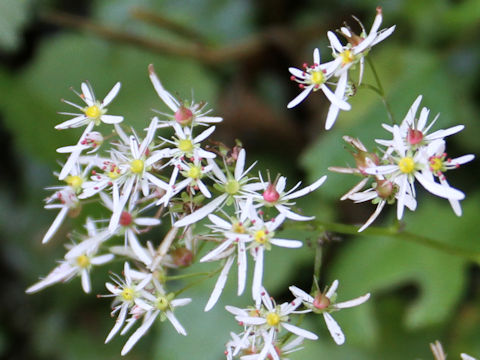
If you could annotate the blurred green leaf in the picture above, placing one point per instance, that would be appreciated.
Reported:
(13, 16)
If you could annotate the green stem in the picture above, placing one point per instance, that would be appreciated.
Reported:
(317, 264)
(208, 275)
(380, 91)
(393, 232)
(186, 276)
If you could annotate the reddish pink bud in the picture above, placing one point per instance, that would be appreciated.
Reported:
(271, 194)
(414, 136)
(321, 301)
(183, 116)
(125, 219)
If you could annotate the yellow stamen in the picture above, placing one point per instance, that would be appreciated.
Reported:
(273, 319)
(406, 165)
(162, 303)
(136, 166)
(83, 261)
(194, 172)
(260, 237)
(127, 294)
(347, 57)
(232, 186)
(185, 145)
(93, 112)
(436, 164)
(238, 228)
(317, 77)
(74, 181)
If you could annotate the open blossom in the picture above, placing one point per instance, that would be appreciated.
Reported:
(314, 78)
(346, 56)
(274, 195)
(235, 187)
(414, 131)
(94, 113)
(408, 166)
(325, 303)
(78, 261)
(156, 304)
(183, 113)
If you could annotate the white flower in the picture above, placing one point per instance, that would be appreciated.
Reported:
(415, 132)
(272, 317)
(229, 231)
(408, 166)
(158, 304)
(467, 357)
(126, 293)
(314, 78)
(234, 188)
(325, 303)
(358, 45)
(276, 196)
(439, 163)
(78, 261)
(93, 114)
(184, 114)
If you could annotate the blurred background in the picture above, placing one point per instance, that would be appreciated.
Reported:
(235, 55)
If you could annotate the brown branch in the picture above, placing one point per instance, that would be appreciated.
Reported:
(247, 48)
(165, 23)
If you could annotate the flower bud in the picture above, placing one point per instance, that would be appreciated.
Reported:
(271, 194)
(182, 257)
(384, 189)
(184, 116)
(321, 301)
(414, 136)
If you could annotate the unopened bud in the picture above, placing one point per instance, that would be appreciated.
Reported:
(414, 136)
(182, 257)
(321, 301)
(184, 116)
(384, 189)
(271, 194)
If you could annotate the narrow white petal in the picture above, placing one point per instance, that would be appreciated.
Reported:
(299, 331)
(351, 303)
(446, 192)
(258, 275)
(240, 164)
(219, 285)
(307, 189)
(201, 213)
(202, 136)
(56, 224)
(332, 289)
(297, 292)
(86, 284)
(242, 267)
(300, 97)
(287, 243)
(111, 94)
(334, 41)
(168, 99)
(334, 329)
(375, 214)
(139, 333)
(342, 104)
(176, 324)
(118, 323)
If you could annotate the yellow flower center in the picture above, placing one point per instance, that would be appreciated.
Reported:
(436, 164)
(83, 261)
(232, 187)
(74, 181)
(185, 145)
(238, 228)
(260, 236)
(93, 112)
(317, 77)
(273, 319)
(127, 294)
(136, 166)
(162, 303)
(113, 173)
(194, 172)
(347, 57)
(406, 165)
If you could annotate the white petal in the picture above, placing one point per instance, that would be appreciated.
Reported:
(201, 213)
(56, 224)
(240, 164)
(297, 292)
(286, 243)
(307, 189)
(354, 302)
(219, 285)
(118, 323)
(111, 95)
(342, 104)
(176, 324)
(139, 333)
(300, 97)
(446, 192)
(334, 329)
(332, 289)
(299, 331)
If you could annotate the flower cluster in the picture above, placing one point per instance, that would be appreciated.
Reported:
(336, 72)
(216, 208)
(415, 154)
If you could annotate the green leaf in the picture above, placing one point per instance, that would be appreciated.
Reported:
(13, 16)
(382, 264)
